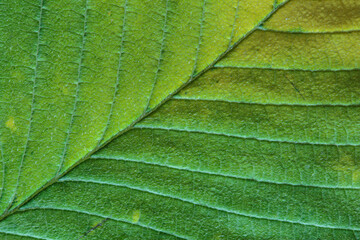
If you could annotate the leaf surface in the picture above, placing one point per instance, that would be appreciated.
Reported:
(263, 145)
(77, 73)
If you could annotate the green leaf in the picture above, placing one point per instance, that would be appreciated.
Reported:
(78, 73)
(260, 141)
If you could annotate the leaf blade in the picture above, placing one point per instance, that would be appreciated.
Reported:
(88, 88)
(193, 170)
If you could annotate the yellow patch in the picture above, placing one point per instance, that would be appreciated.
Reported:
(10, 123)
(136, 216)
(356, 175)
(348, 167)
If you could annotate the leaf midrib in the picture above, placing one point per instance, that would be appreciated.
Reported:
(147, 112)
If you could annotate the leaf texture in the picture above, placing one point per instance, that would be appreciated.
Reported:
(262, 145)
(77, 73)
(317, 16)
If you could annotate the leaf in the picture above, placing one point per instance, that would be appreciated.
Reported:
(78, 73)
(263, 145)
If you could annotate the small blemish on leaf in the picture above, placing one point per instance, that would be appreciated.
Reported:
(94, 227)
(136, 216)
(10, 123)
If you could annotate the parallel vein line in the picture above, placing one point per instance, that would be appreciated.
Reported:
(309, 32)
(234, 23)
(22, 235)
(116, 90)
(164, 32)
(37, 56)
(173, 167)
(197, 54)
(211, 207)
(286, 69)
(186, 98)
(140, 126)
(79, 73)
(102, 216)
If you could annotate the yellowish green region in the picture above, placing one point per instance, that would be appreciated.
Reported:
(136, 216)
(214, 26)
(267, 49)
(317, 16)
(10, 123)
(269, 86)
